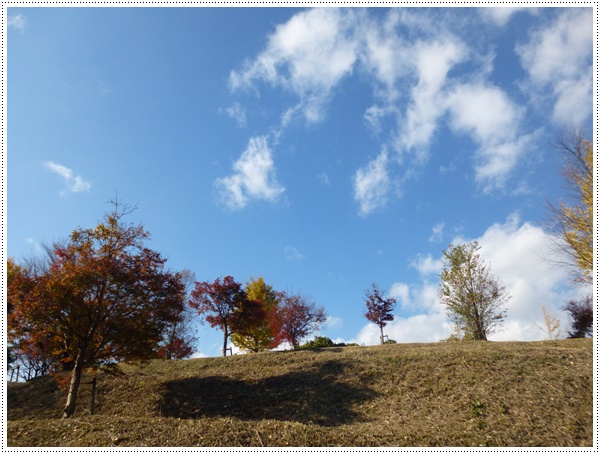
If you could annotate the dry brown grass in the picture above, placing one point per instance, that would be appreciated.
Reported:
(445, 394)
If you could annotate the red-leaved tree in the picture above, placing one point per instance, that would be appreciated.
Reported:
(104, 298)
(179, 338)
(297, 317)
(224, 304)
(379, 310)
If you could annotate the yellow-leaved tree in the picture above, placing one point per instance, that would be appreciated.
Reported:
(572, 219)
(264, 336)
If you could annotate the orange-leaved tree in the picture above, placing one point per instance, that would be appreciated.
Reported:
(104, 298)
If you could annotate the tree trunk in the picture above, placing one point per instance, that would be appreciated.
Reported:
(381, 338)
(74, 387)
(225, 336)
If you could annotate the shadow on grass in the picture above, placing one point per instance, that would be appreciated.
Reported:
(316, 396)
(39, 398)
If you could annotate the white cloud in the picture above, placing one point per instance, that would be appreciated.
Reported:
(559, 57)
(432, 62)
(17, 21)
(488, 115)
(372, 184)
(236, 112)
(400, 291)
(292, 254)
(417, 328)
(308, 55)
(501, 15)
(437, 233)
(332, 323)
(427, 265)
(254, 177)
(514, 252)
(408, 59)
(74, 183)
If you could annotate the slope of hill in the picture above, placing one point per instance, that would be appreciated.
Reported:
(445, 394)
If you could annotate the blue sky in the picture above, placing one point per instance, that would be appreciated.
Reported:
(323, 149)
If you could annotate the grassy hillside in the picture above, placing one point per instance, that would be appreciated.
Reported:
(445, 394)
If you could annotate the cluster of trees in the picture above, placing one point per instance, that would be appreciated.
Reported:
(102, 296)
(256, 318)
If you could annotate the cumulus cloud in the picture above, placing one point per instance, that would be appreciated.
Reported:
(488, 115)
(409, 60)
(372, 184)
(514, 251)
(558, 59)
(74, 183)
(253, 178)
(426, 265)
(308, 55)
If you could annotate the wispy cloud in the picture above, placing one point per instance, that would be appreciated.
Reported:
(17, 21)
(500, 16)
(324, 178)
(437, 233)
(74, 183)
(558, 57)
(308, 56)
(409, 60)
(292, 254)
(372, 185)
(236, 112)
(253, 178)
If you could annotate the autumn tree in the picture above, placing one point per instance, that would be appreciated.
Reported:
(551, 324)
(178, 337)
(379, 310)
(104, 298)
(299, 317)
(571, 223)
(581, 313)
(474, 299)
(224, 304)
(264, 335)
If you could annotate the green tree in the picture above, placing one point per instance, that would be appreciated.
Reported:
(473, 298)
(571, 222)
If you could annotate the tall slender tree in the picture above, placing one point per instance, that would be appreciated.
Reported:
(474, 299)
(379, 310)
